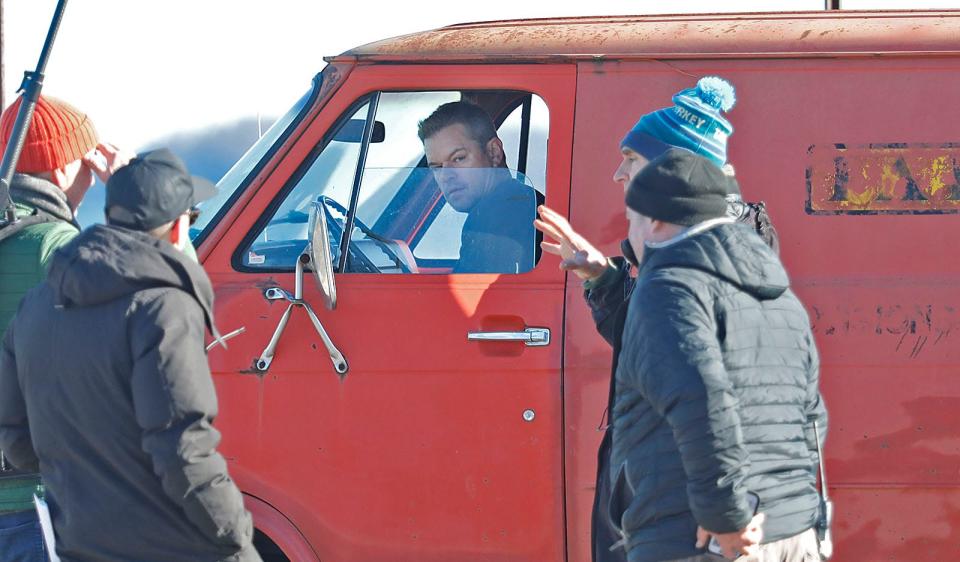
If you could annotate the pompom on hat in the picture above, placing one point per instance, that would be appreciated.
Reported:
(695, 122)
(58, 134)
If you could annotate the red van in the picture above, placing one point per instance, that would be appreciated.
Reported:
(397, 410)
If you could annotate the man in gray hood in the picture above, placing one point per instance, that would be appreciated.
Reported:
(717, 383)
(104, 384)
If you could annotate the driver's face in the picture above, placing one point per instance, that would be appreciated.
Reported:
(462, 166)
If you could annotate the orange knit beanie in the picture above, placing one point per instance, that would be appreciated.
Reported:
(58, 135)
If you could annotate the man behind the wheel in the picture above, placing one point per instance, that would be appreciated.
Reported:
(462, 147)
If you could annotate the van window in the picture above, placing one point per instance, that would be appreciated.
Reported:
(448, 204)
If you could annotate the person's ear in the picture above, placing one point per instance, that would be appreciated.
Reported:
(179, 231)
(494, 150)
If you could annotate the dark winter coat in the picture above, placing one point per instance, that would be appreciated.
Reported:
(608, 297)
(716, 390)
(107, 356)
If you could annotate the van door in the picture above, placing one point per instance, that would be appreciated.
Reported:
(436, 444)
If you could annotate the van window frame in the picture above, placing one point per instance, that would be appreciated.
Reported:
(236, 259)
(372, 98)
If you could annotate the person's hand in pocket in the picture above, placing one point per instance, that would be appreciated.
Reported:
(745, 542)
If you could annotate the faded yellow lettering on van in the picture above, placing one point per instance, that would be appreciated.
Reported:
(883, 179)
(938, 169)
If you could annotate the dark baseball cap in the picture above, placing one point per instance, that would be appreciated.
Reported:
(153, 189)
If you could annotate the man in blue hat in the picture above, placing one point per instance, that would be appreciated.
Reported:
(696, 123)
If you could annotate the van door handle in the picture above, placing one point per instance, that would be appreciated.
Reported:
(533, 337)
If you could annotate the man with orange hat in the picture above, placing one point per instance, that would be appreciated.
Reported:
(61, 154)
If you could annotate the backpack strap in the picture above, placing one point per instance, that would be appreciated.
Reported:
(755, 214)
(9, 229)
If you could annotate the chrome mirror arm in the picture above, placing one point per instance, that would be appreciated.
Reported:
(263, 363)
(339, 361)
(340, 364)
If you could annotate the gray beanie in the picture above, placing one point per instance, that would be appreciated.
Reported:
(679, 187)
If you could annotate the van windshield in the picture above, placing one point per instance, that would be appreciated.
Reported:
(227, 188)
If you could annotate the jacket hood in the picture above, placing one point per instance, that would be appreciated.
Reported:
(732, 252)
(42, 196)
(104, 263)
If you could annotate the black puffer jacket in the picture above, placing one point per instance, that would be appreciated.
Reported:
(107, 356)
(716, 392)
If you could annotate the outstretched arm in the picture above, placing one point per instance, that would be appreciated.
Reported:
(607, 282)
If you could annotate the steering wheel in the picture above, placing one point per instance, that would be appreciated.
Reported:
(359, 260)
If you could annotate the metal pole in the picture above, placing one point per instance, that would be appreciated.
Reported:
(832, 5)
(31, 86)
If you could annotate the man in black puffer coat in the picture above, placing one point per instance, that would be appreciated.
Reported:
(717, 382)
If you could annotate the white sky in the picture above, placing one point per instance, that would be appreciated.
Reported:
(143, 70)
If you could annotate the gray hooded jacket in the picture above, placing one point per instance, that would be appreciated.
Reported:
(716, 394)
(107, 356)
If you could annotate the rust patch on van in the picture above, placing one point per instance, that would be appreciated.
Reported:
(878, 179)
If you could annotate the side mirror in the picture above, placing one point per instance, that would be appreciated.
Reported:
(319, 250)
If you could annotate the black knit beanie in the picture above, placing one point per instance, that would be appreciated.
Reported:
(679, 187)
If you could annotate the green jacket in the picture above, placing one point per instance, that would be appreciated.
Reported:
(24, 259)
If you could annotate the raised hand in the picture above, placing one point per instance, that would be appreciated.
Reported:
(107, 159)
(578, 255)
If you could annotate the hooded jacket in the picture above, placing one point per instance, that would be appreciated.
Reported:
(107, 356)
(716, 393)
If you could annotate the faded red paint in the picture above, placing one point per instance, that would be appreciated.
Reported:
(670, 37)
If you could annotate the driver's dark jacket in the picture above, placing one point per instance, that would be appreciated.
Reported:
(104, 386)
(498, 235)
(716, 389)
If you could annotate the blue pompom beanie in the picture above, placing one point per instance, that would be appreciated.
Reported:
(695, 122)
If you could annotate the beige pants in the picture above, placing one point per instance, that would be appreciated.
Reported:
(798, 548)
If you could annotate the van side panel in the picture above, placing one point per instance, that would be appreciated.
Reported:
(858, 161)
